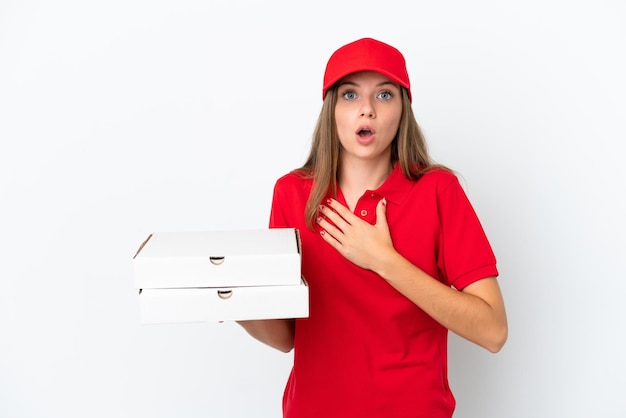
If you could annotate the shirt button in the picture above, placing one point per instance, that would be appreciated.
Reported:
(363, 212)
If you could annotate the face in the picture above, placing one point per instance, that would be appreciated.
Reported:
(367, 113)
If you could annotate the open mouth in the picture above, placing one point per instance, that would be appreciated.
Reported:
(364, 132)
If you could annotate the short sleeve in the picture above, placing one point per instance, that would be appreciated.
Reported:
(278, 218)
(289, 201)
(465, 254)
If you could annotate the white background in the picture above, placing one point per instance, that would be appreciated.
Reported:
(122, 118)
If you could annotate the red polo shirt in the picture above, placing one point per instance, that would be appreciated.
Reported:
(365, 350)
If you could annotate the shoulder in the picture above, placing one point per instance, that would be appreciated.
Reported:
(443, 186)
(439, 179)
(293, 181)
(294, 178)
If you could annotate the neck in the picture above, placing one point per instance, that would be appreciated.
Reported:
(355, 177)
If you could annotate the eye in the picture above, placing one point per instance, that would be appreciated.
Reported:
(349, 95)
(385, 95)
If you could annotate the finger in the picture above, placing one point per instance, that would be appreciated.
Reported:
(334, 217)
(330, 240)
(381, 212)
(330, 229)
(342, 210)
(329, 233)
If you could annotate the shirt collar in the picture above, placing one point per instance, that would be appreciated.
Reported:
(396, 187)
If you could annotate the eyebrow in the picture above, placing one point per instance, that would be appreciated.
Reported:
(352, 83)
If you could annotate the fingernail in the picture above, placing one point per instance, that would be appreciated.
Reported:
(319, 219)
(328, 201)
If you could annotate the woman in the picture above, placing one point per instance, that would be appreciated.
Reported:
(392, 250)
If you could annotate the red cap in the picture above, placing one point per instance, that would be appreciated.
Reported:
(366, 54)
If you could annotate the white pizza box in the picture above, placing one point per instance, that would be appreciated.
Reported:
(163, 306)
(230, 258)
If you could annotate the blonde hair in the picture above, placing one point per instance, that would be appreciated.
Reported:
(409, 148)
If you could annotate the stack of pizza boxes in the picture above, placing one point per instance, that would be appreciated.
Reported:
(204, 276)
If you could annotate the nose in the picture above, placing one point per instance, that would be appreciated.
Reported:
(367, 109)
